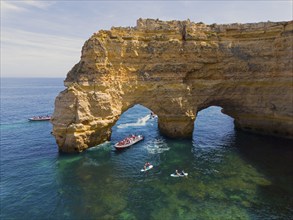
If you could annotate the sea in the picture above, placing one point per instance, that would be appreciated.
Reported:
(231, 174)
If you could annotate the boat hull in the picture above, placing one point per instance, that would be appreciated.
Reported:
(41, 119)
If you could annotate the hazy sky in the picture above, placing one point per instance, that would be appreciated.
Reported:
(44, 38)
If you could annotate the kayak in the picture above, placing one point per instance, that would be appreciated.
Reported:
(176, 175)
(147, 168)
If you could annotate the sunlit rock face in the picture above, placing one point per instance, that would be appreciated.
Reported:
(176, 69)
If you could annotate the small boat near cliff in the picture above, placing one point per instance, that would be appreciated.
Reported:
(153, 115)
(127, 142)
(40, 118)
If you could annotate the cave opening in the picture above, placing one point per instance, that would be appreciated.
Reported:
(212, 126)
(137, 120)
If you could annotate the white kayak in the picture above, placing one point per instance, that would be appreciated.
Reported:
(176, 175)
(147, 168)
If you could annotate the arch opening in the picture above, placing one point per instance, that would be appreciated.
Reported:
(212, 125)
(137, 119)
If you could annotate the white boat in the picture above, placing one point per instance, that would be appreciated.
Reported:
(127, 142)
(40, 118)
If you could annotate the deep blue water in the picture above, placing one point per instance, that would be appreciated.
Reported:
(232, 175)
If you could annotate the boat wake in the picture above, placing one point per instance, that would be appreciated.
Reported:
(157, 147)
(140, 122)
(91, 162)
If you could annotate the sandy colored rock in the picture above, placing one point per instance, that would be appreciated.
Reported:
(176, 69)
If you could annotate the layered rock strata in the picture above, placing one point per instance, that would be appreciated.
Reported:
(176, 69)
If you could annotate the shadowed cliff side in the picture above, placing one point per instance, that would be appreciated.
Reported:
(177, 68)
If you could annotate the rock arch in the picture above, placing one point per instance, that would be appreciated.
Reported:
(244, 68)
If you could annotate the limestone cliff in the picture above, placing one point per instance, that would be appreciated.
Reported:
(177, 68)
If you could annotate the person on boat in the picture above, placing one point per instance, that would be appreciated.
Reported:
(182, 173)
(177, 173)
(132, 137)
(152, 115)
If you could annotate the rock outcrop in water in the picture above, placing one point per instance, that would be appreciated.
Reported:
(176, 69)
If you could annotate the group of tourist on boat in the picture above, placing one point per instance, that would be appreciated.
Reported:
(128, 141)
(40, 118)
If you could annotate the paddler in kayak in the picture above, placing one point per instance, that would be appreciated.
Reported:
(146, 165)
(182, 173)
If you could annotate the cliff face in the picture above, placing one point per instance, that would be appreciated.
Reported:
(176, 69)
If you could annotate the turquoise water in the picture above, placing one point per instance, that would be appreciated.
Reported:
(232, 175)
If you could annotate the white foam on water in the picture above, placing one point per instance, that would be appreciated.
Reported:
(140, 122)
(91, 162)
(157, 147)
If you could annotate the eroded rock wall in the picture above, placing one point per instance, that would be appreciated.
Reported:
(177, 68)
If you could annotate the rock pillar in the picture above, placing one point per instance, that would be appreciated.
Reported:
(176, 127)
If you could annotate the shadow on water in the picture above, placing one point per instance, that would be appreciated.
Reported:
(250, 170)
(273, 158)
(270, 155)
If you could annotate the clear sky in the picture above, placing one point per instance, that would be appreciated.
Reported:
(44, 38)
